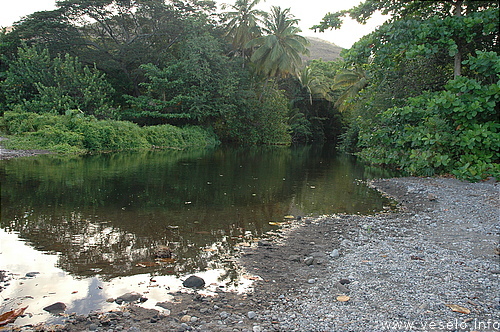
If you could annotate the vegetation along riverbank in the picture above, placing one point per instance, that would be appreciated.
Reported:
(420, 93)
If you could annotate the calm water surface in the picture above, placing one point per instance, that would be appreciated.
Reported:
(90, 225)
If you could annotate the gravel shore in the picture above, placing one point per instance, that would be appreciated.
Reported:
(430, 265)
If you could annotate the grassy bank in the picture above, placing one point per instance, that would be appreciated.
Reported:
(76, 133)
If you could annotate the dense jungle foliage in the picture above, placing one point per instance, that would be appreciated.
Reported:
(420, 93)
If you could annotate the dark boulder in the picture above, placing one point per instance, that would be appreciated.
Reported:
(56, 308)
(194, 282)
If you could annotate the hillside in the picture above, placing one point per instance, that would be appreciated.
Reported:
(322, 49)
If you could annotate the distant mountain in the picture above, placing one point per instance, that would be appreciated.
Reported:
(322, 49)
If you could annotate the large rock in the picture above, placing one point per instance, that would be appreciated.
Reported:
(194, 282)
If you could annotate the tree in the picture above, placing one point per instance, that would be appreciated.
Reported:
(313, 84)
(278, 51)
(195, 88)
(35, 82)
(352, 81)
(424, 28)
(242, 24)
(118, 36)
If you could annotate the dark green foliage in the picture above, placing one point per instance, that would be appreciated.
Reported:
(37, 83)
(251, 121)
(195, 88)
(452, 131)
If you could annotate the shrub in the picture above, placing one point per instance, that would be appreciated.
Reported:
(452, 131)
(76, 133)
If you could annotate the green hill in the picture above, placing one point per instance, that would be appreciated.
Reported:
(322, 49)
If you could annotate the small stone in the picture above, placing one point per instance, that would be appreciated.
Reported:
(224, 315)
(134, 329)
(31, 274)
(128, 297)
(341, 287)
(92, 327)
(56, 308)
(251, 314)
(311, 281)
(194, 319)
(294, 258)
(263, 243)
(309, 260)
(257, 328)
(193, 282)
(185, 319)
(432, 197)
(335, 253)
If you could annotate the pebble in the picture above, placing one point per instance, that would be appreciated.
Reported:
(251, 315)
(453, 260)
(335, 253)
(309, 260)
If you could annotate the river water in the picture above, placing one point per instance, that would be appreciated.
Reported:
(83, 229)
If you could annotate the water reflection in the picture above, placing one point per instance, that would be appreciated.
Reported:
(101, 217)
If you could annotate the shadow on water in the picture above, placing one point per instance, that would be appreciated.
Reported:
(105, 215)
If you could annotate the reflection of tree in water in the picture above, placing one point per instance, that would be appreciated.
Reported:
(105, 214)
(88, 247)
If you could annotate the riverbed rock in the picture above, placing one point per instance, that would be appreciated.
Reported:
(194, 282)
(309, 260)
(128, 297)
(56, 308)
(335, 253)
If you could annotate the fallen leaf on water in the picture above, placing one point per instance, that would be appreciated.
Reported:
(209, 249)
(10, 316)
(74, 292)
(289, 217)
(343, 298)
(146, 264)
(276, 223)
(458, 308)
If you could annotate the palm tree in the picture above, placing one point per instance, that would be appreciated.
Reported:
(353, 80)
(278, 52)
(243, 24)
(313, 85)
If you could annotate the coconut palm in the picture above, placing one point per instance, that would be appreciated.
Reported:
(353, 80)
(278, 52)
(242, 24)
(313, 85)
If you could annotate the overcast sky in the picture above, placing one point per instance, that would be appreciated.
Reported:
(310, 12)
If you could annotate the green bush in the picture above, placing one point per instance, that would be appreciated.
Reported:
(76, 133)
(452, 131)
(41, 84)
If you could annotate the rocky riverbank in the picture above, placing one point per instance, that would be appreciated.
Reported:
(431, 265)
(9, 154)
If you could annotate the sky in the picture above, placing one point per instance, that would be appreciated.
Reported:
(310, 12)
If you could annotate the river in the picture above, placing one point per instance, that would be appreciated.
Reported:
(83, 229)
